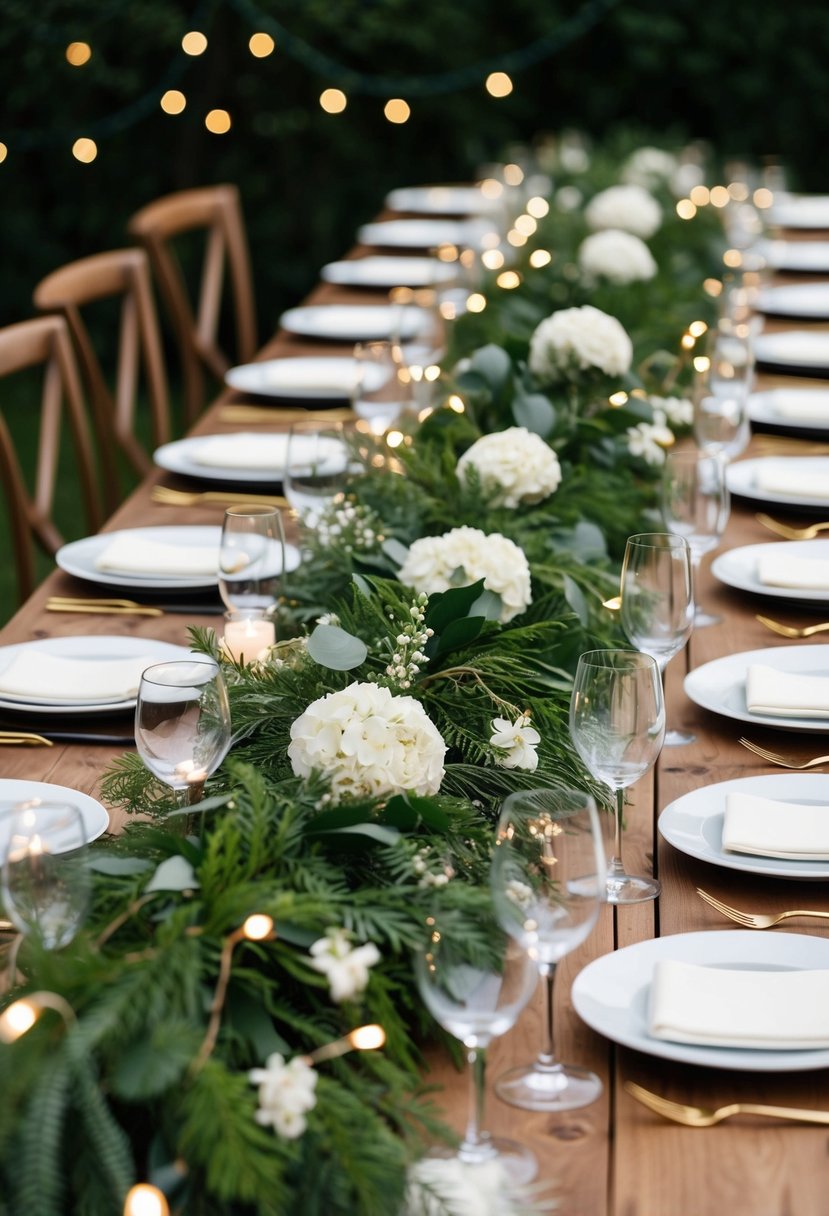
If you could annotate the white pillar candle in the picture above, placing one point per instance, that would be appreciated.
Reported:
(246, 637)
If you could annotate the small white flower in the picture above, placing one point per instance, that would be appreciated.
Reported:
(649, 440)
(678, 411)
(520, 893)
(517, 741)
(649, 167)
(345, 968)
(515, 465)
(434, 562)
(618, 256)
(630, 208)
(579, 338)
(286, 1093)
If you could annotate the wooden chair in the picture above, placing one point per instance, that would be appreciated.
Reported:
(44, 342)
(122, 274)
(216, 212)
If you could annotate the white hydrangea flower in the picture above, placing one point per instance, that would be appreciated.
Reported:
(435, 563)
(649, 167)
(649, 440)
(580, 338)
(618, 256)
(516, 465)
(517, 741)
(368, 742)
(678, 411)
(630, 208)
(345, 967)
(286, 1094)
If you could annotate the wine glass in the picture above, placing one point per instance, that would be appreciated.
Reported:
(617, 724)
(477, 999)
(383, 388)
(420, 352)
(45, 878)
(251, 558)
(657, 610)
(317, 467)
(723, 379)
(696, 504)
(182, 724)
(548, 880)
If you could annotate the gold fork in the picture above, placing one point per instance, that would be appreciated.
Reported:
(774, 525)
(22, 738)
(268, 413)
(757, 920)
(708, 1116)
(791, 631)
(776, 758)
(62, 603)
(188, 498)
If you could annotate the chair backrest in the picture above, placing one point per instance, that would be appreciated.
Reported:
(44, 342)
(122, 275)
(195, 311)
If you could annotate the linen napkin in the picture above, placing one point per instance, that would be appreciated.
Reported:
(34, 675)
(786, 694)
(133, 555)
(767, 828)
(783, 570)
(763, 1010)
(777, 477)
(243, 451)
(809, 409)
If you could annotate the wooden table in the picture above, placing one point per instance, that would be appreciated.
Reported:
(613, 1158)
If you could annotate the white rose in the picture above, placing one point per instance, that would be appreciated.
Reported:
(649, 167)
(514, 465)
(434, 562)
(516, 741)
(616, 255)
(628, 207)
(579, 338)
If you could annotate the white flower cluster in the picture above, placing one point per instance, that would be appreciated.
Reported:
(628, 207)
(348, 525)
(432, 871)
(649, 167)
(286, 1094)
(515, 743)
(618, 256)
(449, 1187)
(368, 743)
(514, 465)
(407, 655)
(579, 338)
(346, 967)
(436, 563)
(676, 411)
(649, 439)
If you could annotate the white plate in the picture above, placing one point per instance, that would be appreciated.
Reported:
(801, 409)
(381, 271)
(810, 257)
(440, 200)
(78, 557)
(693, 823)
(807, 300)
(741, 476)
(801, 211)
(180, 456)
(94, 816)
(611, 994)
(421, 234)
(797, 348)
(355, 322)
(96, 648)
(313, 378)
(721, 684)
(738, 568)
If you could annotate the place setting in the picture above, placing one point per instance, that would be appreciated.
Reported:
(799, 409)
(386, 271)
(355, 322)
(320, 378)
(791, 481)
(789, 570)
(784, 686)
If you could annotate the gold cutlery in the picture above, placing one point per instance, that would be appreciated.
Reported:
(791, 631)
(24, 738)
(757, 920)
(60, 603)
(708, 1116)
(266, 413)
(189, 498)
(776, 758)
(21, 738)
(774, 525)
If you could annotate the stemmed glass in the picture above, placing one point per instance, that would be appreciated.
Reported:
(477, 999)
(617, 724)
(722, 383)
(317, 468)
(421, 353)
(251, 558)
(383, 388)
(182, 724)
(548, 880)
(657, 610)
(696, 504)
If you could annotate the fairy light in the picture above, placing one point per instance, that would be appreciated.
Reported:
(194, 43)
(538, 207)
(513, 175)
(712, 288)
(363, 1038)
(19, 1017)
(700, 196)
(489, 240)
(719, 196)
(732, 258)
(475, 302)
(85, 150)
(701, 363)
(618, 399)
(697, 328)
(3, 152)
(261, 45)
(498, 84)
(526, 225)
(258, 927)
(685, 209)
(540, 258)
(394, 439)
(333, 101)
(491, 188)
(516, 238)
(509, 280)
(217, 122)
(397, 110)
(173, 102)
(78, 54)
(492, 259)
(144, 1199)
(739, 191)
(762, 198)
(456, 403)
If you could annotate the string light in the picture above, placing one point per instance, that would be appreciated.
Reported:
(397, 110)
(173, 102)
(333, 101)
(261, 45)
(85, 150)
(19, 1017)
(146, 1200)
(257, 927)
(685, 209)
(491, 188)
(538, 207)
(539, 258)
(513, 175)
(719, 196)
(618, 399)
(217, 122)
(700, 196)
(3, 152)
(739, 191)
(516, 238)
(476, 302)
(526, 225)
(492, 259)
(762, 198)
(697, 328)
(78, 53)
(194, 43)
(509, 280)
(498, 84)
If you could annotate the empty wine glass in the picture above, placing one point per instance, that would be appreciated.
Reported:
(657, 610)
(45, 875)
(696, 504)
(723, 379)
(548, 880)
(383, 388)
(317, 467)
(617, 724)
(477, 999)
(251, 558)
(182, 724)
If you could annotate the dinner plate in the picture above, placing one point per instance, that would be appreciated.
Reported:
(440, 200)
(721, 684)
(738, 568)
(355, 322)
(611, 994)
(181, 456)
(800, 409)
(78, 557)
(387, 272)
(94, 815)
(741, 479)
(421, 233)
(808, 257)
(96, 648)
(693, 823)
(316, 378)
(801, 211)
(807, 300)
(794, 349)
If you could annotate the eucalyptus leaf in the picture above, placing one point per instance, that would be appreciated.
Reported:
(488, 605)
(395, 549)
(493, 364)
(362, 585)
(118, 866)
(535, 412)
(376, 831)
(335, 649)
(174, 874)
(576, 599)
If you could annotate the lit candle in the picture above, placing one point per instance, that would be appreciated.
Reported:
(246, 637)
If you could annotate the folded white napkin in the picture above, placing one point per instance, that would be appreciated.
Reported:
(34, 675)
(786, 694)
(776, 477)
(767, 828)
(800, 405)
(783, 570)
(764, 1010)
(132, 555)
(265, 452)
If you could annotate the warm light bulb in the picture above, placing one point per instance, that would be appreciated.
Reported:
(261, 45)
(538, 207)
(3, 152)
(173, 102)
(508, 280)
(539, 258)
(17, 1019)
(397, 110)
(257, 927)
(618, 399)
(498, 84)
(367, 1038)
(146, 1200)
(217, 122)
(526, 225)
(491, 188)
(194, 43)
(697, 328)
(85, 150)
(685, 209)
(333, 101)
(78, 53)
(513, 175)
(700, 196)
(476, 302)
